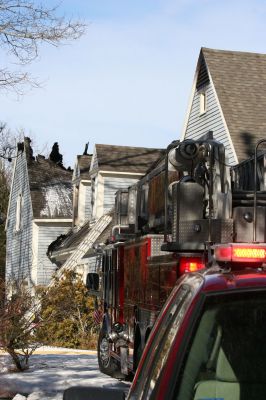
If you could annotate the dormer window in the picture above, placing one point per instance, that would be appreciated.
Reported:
(202, 102)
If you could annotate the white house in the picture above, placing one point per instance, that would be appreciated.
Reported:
(229, 98)
(111, 168)
(40, 208)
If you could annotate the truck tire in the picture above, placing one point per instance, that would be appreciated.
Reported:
(107, 364)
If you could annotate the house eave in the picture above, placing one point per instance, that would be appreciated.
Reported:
(52, 220)
(122, 173)
(59, 255)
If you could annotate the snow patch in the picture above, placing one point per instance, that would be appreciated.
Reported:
(19, 397)
(50, 373)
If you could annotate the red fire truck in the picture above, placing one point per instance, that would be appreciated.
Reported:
(165, 225)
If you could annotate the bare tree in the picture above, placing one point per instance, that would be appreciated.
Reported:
(7, 143)
(18, 312)
(4, 195)
(24, 26)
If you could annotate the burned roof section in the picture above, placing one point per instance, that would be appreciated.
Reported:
(74, 236)
(70, 240)
(50, 188)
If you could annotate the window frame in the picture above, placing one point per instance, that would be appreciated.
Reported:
(19, 209)
(174, 383)
(178, 301)
(202, 102)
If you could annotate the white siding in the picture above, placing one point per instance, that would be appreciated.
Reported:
(26, 248)
(19, 243)
(88, 210)
(76, 172)
(47, 233)
(98, 194)
(94, 161)
(199, 124)
(111, 186)
(90, 264)
(84, 202)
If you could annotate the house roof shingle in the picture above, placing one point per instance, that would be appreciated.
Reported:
(126, 158)
(84, 162)
(240, 82)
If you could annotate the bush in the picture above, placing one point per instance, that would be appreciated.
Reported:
(67, 314)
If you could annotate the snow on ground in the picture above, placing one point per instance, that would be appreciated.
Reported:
(52, 370)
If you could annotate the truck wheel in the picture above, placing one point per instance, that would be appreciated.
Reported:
(107, 364)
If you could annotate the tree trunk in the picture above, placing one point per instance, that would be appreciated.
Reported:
(17, 360)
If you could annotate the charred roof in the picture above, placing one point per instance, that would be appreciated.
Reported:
(50, 186)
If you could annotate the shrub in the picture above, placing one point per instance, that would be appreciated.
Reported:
(67, 314)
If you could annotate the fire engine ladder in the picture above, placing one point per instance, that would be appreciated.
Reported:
(73, 261)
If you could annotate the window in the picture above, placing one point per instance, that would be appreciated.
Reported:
(227, 355)
(159, 348)
(203, 102)
(19, 205)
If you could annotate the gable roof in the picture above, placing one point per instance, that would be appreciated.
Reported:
(83, 164)
(50, 189)
(239, 79)
(126, 158)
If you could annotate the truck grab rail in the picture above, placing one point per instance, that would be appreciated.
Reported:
(255, 191)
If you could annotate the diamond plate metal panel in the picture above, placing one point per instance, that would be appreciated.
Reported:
(187, 204)
(198, 231)
(156, 243)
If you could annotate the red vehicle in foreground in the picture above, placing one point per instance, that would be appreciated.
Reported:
(209, 339)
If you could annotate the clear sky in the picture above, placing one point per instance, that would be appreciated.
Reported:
(128, 80)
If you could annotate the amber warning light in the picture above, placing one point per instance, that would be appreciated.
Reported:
(240, 253)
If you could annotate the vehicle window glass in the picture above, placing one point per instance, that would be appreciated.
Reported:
(165, 344)
(152, 364)
(226, 358)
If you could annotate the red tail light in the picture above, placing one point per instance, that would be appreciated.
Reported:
(190, 264)
(236, 252)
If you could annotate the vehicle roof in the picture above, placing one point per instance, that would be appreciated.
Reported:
(217, 279)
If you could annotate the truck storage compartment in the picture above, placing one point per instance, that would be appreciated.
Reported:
(190, 230)
(243, 224)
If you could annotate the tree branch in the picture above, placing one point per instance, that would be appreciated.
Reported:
(24, 27)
